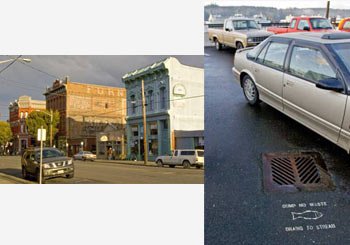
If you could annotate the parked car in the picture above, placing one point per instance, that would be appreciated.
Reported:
(304, 23)
(344, 25)
(85, 155)
(185, 158)
(304, 75)
(55, 164)
(238, 33)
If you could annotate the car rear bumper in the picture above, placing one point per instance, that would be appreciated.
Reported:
(57, 172)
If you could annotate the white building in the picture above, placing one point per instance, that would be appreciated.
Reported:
(175, 108)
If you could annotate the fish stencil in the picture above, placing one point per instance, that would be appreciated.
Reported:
(308, 214)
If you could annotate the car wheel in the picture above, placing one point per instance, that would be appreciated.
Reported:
(239, 45)
(218, 45)
(24, 173)
(159, 163)
(171, 166)
(250, 91)
(69, 176)
(186, 164)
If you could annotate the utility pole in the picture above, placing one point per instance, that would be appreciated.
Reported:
(327, 10)
(145, 148)
(51, 121)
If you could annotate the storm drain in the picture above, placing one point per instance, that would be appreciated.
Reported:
(292, 172)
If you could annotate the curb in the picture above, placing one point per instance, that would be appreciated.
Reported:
(14, 179)
(150, 164)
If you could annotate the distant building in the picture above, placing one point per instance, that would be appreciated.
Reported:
(85, 111)
(19, 111)
(175, 103)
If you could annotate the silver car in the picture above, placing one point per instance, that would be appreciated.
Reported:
(85, 155)
(304, 75)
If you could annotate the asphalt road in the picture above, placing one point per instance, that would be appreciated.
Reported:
(237, 209)
(113, 173)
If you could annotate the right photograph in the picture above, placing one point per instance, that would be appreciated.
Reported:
(277, 122)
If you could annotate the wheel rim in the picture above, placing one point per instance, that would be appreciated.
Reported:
(249, 89)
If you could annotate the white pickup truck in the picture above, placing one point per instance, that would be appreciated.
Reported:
(185, 158)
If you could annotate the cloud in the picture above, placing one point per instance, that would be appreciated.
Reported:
(99, 69)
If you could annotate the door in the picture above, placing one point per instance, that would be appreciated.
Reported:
(227, 36)
(319, 109)
(268, 73)
(174, 157)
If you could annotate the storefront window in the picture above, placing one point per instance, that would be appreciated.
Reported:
(153, 147)
(153, 128)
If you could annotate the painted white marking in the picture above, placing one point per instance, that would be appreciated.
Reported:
(308, 214)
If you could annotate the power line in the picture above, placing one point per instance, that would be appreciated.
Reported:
(11, 63)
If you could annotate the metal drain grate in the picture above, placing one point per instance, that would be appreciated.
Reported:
(291, 172)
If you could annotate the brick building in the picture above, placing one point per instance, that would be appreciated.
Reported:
(85, 111)
(19, 111)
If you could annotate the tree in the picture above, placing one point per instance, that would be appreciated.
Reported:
(36, 119)
(5, 133)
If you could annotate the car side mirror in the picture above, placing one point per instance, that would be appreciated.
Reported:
(228, 29)
(330, 84)
(306, 28)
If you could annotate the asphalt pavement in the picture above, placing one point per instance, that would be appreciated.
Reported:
(237, 208)
(107, 172)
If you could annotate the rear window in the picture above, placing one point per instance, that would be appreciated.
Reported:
(200, 153)
(187, 153)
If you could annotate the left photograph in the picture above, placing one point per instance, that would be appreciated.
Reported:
(82, 119)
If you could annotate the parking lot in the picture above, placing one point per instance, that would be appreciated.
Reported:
(238, 209)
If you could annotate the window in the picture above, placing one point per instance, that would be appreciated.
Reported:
(245, 24)
(275, 55)
(21, 115)
(261, 56)
(346, 25)
(162, 98)
(302, 24)
(175, 153)
(187, 153)
(320, 23)
(229, 26)
(135, 131)
(150, 99)
(26, 115)
(106, 106)
(165, 124)
(310, 64)
(133, 104)
(292, 24)
(153, 128)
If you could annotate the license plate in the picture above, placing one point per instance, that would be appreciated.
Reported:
(60, 171)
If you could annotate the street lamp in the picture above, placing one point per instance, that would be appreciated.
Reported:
(20, 59)
(51, 120)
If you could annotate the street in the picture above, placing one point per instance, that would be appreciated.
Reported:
(237, 208)
(107, 172)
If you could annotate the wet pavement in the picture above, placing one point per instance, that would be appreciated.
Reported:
(237, 209)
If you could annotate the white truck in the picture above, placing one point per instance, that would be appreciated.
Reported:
(185, 158)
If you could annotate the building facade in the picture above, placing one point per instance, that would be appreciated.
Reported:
(175, 102)
(19, 111)
(85, 111)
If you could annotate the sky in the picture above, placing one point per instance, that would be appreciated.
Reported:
(20, 79)
(335, 4)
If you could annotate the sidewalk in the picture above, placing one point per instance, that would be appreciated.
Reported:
(9, 179)
(127, 162)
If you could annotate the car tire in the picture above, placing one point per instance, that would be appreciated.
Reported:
(70, 176)
(171, 166)
(250, 91)
(24, 173)
(239, 45)
(198, 167)
(159, 163)
(218, 45)
(186, 164)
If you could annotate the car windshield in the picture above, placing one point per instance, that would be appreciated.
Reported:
(320, 24)
(49, 153)
(200, 153)
(245, 24)
(343, 52)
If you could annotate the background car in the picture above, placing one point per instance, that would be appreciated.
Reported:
(55, 164)
(85, 155)
(185, 158)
